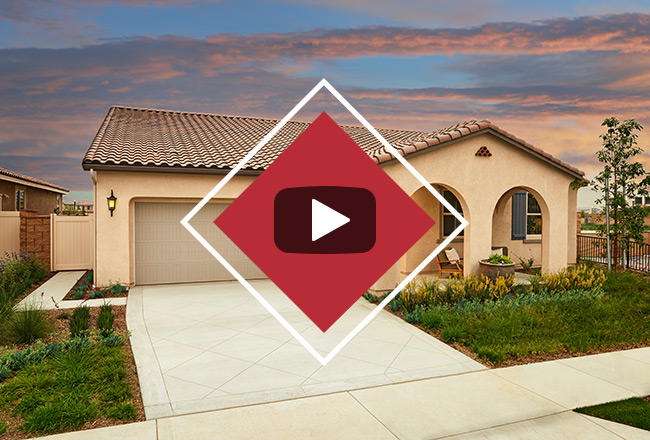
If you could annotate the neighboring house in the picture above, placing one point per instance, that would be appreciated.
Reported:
(18, 191)
(83, 206)
(159, 164)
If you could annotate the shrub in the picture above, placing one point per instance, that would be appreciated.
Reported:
(18, 271)
(429, 292)
(77, 344)
(432, 318)
(79, 322)
(62, 413)
(77, 293)
(15, 361)
(499, 259)
(105, 320)
(575, 278)
(527, 263)
(28, 325)
(415, 316)
(112, 340)
(453, 332)
(97, 292)
(116, 289)
(83, 285)
(370, 297)
(417, 294)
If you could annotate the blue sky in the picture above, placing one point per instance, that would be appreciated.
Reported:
(549, 72)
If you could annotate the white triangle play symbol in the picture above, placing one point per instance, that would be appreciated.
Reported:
(324, 220)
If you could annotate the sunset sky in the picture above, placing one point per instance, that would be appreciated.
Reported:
(549, 72)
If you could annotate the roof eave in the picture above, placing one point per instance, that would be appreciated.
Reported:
(575, 173)
(164, 169)
(58, 190)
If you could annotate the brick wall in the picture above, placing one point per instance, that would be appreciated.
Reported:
(35, 234)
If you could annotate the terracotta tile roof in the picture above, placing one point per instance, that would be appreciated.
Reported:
(171, 139)
(27, 180)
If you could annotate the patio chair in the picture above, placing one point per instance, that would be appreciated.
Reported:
(452, 265)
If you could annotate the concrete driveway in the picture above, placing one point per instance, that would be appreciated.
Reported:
(201, 347)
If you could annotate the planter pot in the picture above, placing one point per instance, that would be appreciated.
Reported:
(493, 271)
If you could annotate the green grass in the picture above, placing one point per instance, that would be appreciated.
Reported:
(619, 318)
(634, 412)
(63, 393)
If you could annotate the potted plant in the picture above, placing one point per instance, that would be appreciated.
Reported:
(496, 266)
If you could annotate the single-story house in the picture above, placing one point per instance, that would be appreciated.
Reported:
(18, 191)
(159, 164)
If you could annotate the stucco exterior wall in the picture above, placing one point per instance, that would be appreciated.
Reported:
(114, 235)
(478, 182)
(45, 202)
(481, 182)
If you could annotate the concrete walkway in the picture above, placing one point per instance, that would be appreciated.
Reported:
(50, 295)
(532, 402)
(201, 347)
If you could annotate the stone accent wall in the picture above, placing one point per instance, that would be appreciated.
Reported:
(35, 234)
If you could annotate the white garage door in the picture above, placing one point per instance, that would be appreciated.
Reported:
(165, 252)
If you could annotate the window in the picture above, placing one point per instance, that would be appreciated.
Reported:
(533, 218)
(449, 222)
(20, 199)
(526, 217)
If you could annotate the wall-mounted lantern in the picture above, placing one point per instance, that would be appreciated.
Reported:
(112, 201)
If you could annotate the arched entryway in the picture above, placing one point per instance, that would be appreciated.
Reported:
(520, 223)
(446, 223)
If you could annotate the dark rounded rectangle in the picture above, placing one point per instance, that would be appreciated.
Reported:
(292, 227)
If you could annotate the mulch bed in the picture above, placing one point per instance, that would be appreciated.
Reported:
(86, 295)
(61, 332)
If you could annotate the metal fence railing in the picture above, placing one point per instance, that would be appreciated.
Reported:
(594, 248)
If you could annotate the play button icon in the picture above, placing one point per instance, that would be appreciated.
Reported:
(324, 220)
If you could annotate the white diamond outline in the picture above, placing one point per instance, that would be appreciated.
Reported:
(185, 222)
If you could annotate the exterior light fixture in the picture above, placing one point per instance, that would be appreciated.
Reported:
(112, 201)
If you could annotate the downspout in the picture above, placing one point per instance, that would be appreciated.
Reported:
(93, 177)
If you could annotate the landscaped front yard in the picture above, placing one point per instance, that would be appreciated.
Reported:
(61, 370)
(577, 311)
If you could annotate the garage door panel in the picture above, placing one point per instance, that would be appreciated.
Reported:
(165, 252)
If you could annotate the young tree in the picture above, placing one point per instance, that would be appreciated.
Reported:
(627, 179)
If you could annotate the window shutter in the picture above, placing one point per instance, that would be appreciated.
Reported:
(519, 215)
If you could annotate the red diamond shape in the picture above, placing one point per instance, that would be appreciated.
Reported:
(324, 286)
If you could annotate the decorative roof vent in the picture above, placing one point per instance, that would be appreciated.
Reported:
(483, 152)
